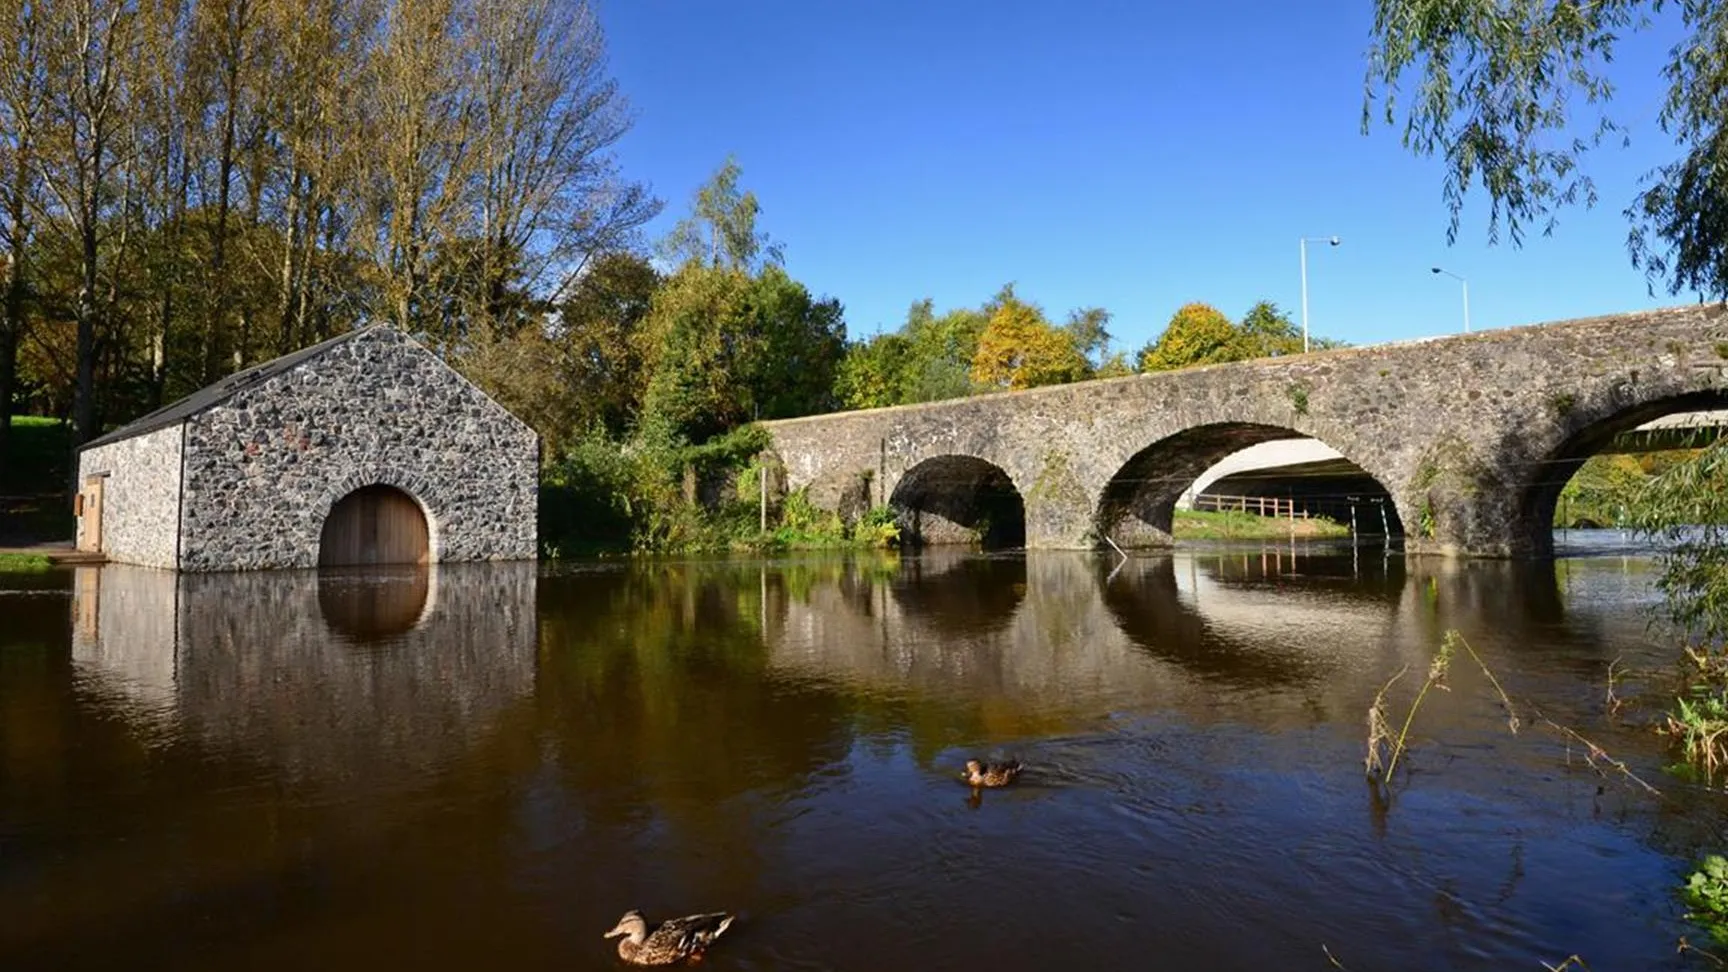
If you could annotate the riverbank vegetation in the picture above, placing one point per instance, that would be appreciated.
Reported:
(33, 506)
(1604, 491)
(653, 492)
(24, 563)
(1685, 509)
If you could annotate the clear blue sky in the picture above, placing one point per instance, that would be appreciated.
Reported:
(1129, 155)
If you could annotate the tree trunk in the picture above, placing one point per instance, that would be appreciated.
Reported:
(288, 297)
(84, 390)
(12, 324)
(216, 351)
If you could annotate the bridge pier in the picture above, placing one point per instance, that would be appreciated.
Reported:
(1059, 526)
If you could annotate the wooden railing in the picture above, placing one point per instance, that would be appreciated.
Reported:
(1258, 505)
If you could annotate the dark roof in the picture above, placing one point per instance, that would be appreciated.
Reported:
(213, 395)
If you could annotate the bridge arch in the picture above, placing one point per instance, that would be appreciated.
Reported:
(959, 499)
(1137, 506)
(1584, 435)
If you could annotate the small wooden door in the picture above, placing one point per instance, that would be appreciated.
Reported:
(89, 511)
(374, 525)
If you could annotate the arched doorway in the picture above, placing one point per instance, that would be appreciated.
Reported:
(375, 525)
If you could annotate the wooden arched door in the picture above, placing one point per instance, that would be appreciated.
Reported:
(375, 525)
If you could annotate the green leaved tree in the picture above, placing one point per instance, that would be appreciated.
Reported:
(1514, 95)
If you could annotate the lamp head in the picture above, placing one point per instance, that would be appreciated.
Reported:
(1335, 241)
(1433, 269)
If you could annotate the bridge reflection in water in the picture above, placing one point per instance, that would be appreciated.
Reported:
(1209, 635)
(491, 761)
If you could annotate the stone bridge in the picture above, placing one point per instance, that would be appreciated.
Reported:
(1472, 436)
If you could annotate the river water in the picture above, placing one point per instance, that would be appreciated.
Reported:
(484, 766)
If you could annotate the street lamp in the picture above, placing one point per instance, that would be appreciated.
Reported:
(1466, 285)
(1305, 241)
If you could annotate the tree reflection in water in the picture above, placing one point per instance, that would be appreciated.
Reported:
(488, 763)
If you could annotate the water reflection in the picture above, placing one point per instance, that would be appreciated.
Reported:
(1226, 617)
(372, 605)
(335, 675)
(482, 764)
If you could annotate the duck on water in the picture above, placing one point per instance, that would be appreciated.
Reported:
(676, 939)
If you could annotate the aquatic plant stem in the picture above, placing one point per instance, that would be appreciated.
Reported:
(1404, 731)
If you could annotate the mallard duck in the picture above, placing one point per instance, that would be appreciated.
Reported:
(990, 774)
(675, 940)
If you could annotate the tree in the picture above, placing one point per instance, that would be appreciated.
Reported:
(939, 366)
(800, 342)
(22, 97)
(873, 373)
(599, 343)
(1514, 96)
(547, 117)
(724, 348)
(1021, 349)
(1088, 328)
(720, 230)
(87, 48)
(419, 161)
(1198, 334)
(1270, 331)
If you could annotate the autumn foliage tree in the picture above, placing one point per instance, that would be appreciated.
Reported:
(188, 188)
(1021, 349)
(1198, 334)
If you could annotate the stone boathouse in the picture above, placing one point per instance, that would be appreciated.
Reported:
(364, 449)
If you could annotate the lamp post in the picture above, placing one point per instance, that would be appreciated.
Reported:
(1466, 285)
(1305, 241)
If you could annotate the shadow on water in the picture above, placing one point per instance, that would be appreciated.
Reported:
(489, 763)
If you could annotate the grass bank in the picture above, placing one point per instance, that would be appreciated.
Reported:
(33, 479)
(1237, 525)
(24, 564)
(40, 453)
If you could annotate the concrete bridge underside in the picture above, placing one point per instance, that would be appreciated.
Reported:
(1472, 436)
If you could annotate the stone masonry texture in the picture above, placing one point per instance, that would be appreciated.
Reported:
(263, 468)
(1472, 435)
(140, 495)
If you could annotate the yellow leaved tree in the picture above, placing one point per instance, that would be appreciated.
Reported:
(1020, 348)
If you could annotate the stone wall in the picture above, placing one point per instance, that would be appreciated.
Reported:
(264, 468)
(1473, 435)
(140, 497)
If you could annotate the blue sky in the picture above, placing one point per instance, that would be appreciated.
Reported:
(1130, 155)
